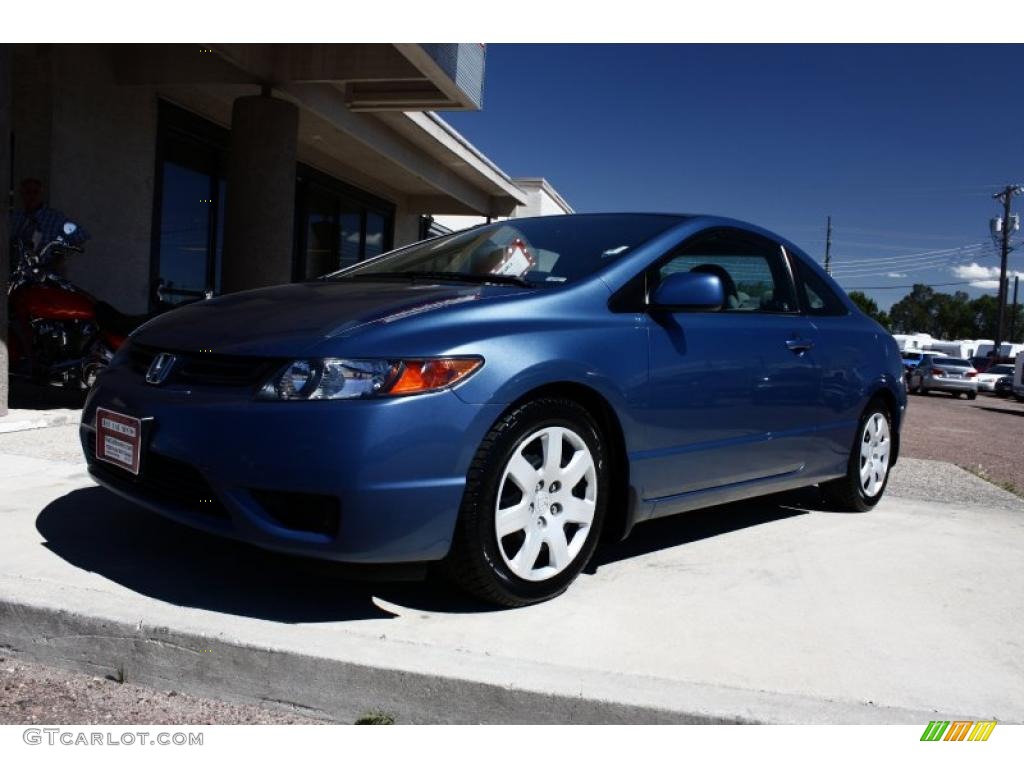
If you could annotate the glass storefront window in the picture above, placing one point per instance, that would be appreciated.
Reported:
(337, 225)
(189, 217)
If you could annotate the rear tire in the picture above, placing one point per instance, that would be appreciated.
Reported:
(867, 472)
(972, 395)
(532, 512)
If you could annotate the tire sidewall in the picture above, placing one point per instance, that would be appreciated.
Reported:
(534, 417)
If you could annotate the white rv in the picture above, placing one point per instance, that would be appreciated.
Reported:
(912, 342)
(1006, 349)
(962, 349)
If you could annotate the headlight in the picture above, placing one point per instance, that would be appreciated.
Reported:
(335, 378)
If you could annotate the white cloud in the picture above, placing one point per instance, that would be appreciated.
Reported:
(895, 274)
(980, 276)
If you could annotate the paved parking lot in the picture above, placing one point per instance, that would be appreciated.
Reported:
(986, 434)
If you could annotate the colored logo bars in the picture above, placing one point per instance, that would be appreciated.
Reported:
(958, 730)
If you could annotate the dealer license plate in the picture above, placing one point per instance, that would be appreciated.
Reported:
(118, 439)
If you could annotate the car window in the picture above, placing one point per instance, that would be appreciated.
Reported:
(752, 270)
(818, 298)
(954, 362)
(546, 251)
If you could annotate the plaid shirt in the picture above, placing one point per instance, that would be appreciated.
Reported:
(49, 222)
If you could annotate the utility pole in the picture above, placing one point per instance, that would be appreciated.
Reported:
(1005, 197)
(828, 246)
(1013, 316)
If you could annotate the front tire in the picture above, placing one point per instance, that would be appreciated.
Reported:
(867, 472)
(535, 501)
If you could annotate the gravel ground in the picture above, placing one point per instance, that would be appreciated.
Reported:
(985, 435)
(32, 694)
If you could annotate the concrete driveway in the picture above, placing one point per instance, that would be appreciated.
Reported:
(772, 611)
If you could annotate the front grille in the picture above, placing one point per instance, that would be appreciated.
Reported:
(204, 369)
(160, 479)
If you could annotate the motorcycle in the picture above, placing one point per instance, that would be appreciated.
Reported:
(59, 334)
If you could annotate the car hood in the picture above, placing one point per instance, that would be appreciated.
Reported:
(293, 319)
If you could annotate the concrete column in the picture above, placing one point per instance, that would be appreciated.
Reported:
(260, 206)
(5, 251)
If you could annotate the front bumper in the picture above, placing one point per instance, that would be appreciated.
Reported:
(394, 469)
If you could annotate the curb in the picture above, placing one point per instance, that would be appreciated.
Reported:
(343, 691)
(23, 420)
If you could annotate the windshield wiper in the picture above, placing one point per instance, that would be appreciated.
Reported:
(462, 277)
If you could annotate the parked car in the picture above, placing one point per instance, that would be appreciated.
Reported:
(496, 400)
(1018, 378)
(1004, 386)
(912, 359)
(988, 378)
(944, 374)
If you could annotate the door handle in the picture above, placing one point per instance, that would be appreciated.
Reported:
(799, 345)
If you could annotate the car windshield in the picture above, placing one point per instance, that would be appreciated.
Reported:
(953, 362)
(539, 252)
(1000, 370)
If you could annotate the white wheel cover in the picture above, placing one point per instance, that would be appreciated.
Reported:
(874, 454)
(546, 503)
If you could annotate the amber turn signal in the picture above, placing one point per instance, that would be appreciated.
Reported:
(425, 375)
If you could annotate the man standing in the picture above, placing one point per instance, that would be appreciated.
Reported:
(36, 223)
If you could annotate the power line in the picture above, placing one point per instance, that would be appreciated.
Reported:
(915, 256)
(902, 287)
(959, 260)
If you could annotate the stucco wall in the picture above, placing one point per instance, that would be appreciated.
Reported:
(102, 160)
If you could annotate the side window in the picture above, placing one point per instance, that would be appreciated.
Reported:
(753, 272)
(818, 298)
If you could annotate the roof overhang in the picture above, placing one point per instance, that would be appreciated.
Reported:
(372, 76)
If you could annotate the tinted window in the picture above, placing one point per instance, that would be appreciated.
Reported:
(548, 251)
(818, 298)
(955, 362)
(752, 271)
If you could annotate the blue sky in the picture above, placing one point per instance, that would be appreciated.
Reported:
(903, 145)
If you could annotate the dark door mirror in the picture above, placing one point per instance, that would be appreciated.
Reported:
(682, 291)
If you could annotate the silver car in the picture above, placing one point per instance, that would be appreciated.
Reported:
(944, 374)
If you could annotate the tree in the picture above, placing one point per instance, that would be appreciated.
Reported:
(914, 313)
(869, 307)
(943, 315)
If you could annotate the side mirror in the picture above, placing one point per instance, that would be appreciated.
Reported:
(689, 291)
(70, 228)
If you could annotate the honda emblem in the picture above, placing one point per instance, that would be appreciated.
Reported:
(160, 369)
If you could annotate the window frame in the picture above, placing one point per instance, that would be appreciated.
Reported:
(792, 255)
(760, 241)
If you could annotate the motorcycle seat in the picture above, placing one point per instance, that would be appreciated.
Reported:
(111, 320)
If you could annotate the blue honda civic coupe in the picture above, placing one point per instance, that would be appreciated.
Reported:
(498, 400)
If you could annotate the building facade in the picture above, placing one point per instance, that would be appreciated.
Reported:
(221, 167)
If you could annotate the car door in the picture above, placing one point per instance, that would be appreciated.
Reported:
(732, 392)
